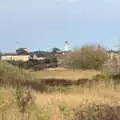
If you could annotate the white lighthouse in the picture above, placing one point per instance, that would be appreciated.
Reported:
(66, 46)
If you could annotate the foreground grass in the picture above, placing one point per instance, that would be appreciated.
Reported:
(63, 106)
(70, 106)
(99, 101)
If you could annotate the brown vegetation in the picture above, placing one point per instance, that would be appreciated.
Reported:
(87, 57)
(77, 95)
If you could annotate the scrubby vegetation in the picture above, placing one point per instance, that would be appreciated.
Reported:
(87, 57)
(98, 112)
(10, 72)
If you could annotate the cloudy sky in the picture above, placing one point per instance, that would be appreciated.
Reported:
(44, 24)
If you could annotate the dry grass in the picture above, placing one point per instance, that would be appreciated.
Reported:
(65, 74)
(72, 99)
(61, 106)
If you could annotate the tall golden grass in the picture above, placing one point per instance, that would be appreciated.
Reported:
(63, 106)
(57, 105)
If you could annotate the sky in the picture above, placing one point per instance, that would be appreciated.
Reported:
(44, 24)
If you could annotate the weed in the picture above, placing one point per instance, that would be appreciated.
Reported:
(23, 98)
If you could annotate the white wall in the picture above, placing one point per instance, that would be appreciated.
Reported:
(16, 57)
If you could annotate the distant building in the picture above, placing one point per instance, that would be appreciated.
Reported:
(113, 54)
(14, 57)
(20, 55)
(22, 51)
(35, 57)
(66, 46)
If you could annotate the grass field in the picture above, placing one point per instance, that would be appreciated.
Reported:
(60, 73)
(97, 101)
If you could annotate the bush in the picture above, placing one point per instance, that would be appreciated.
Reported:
(112, 67)
(87, 57)
(23, 98)
(98, 112)
(101, 77)
(10, 72)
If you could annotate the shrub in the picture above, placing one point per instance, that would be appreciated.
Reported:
(98, 112)
(87, 57)
(112, 67)
(23, 98)
(101, 77)
(9, 72)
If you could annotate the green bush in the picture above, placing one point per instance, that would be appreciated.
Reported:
(87, 57)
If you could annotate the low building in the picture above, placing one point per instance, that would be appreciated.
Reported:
(22, 51)
(35, 57)
(113, 55)
(21, 54)
(14, 57)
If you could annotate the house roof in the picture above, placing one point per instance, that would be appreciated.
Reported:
(113, 51)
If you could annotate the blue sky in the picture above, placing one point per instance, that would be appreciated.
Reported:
(44, 24)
